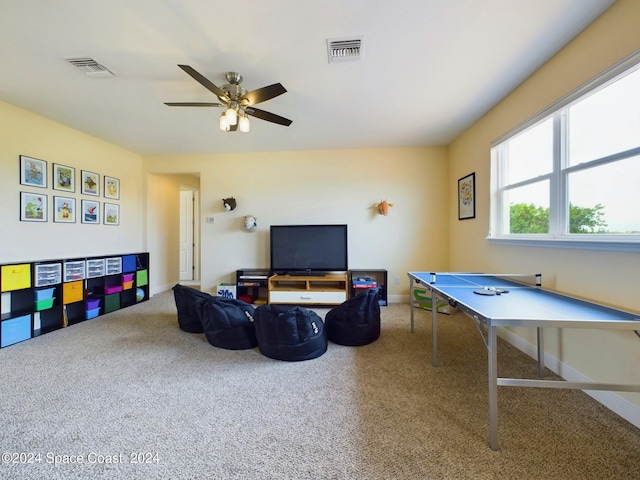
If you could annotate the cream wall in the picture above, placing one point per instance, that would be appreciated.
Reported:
(326, 186)
(607, 277)
(23, 133)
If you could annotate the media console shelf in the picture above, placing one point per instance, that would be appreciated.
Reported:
(330, 289)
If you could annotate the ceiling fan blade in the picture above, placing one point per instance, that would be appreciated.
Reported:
(269, 117)
(263, 94)
(205, 82)
(193, 104)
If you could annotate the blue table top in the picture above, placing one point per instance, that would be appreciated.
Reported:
(523, 304)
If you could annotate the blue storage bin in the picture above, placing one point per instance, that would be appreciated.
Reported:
(129, 263)
(15, 330)
(44, 294)
(93, 313)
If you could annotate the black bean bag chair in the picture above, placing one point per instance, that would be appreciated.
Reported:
(355, 322)
(228, 323)
(289, 333)
(187, 301)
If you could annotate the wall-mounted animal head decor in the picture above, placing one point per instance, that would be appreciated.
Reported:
(383, 207)
(250, 223)
(229, 203)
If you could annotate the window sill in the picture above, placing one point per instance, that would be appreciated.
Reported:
(602, 245)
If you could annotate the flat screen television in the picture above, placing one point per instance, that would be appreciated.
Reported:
(308, 249)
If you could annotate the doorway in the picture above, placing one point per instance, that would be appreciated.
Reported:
(189, 237)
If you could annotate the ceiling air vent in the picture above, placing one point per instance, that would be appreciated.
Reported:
(344, 49)
(90, 67)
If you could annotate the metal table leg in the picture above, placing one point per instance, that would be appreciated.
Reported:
(540, 352)
(492, 349)
(434, 329)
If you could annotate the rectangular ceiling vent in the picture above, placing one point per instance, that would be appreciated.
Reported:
(90, 67)
(344, 49)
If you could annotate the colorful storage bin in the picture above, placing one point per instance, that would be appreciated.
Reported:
(44, 294)
(129, 263)
(15, 277)
(93, 313)
(111, 303)
(127, 277)
(72, 292)
(142, 278)
(127, 285)
(112, 289)
(15, 330)
(44, 304)
(93, 303)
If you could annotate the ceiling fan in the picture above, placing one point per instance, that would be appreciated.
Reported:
(236, 100)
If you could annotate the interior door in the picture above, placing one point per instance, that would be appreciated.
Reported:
(186, 235)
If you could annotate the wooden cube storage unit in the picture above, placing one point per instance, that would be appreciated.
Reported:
(329, 289)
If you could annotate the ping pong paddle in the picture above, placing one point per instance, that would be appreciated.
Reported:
(484, 291)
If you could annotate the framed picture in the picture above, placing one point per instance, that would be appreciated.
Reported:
(467, 197)
(64, 178)
(111, 188)
(90, 212)
(111, 214)
(33, 172)
(33, 207)
(90, 183)
(64, 210)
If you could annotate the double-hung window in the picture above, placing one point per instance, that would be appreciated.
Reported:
(570, 176)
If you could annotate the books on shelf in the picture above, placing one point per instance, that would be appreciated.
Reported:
(364, 283)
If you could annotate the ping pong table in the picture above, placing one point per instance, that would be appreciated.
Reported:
(516, 300)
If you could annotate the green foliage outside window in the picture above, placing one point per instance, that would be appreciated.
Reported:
(527, 218)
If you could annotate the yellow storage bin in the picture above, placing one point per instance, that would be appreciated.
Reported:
(127, 285)
(72, 292)
(15, 277)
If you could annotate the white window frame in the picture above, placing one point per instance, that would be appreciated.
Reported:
(558, 176)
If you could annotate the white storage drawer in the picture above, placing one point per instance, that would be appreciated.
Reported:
(306, 297)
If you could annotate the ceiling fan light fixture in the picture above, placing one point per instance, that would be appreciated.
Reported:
(224, 123)
(232, 116)
(244, 126)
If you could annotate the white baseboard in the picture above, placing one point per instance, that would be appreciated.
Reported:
(612, 400)
(160, 289)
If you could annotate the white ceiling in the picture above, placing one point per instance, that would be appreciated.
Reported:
(430, 68)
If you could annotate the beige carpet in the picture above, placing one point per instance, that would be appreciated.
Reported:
(132, 383)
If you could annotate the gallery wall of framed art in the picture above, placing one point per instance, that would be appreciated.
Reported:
(37, 206)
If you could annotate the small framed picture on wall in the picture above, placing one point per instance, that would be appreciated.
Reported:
(64, 178)
(64, 210)
(90, 212)
(90, 183)
(33, 172)
(111, 214)
(111, 188)
(33, 207)
(467, 197)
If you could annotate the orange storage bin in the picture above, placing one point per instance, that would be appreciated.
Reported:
(72, 292)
